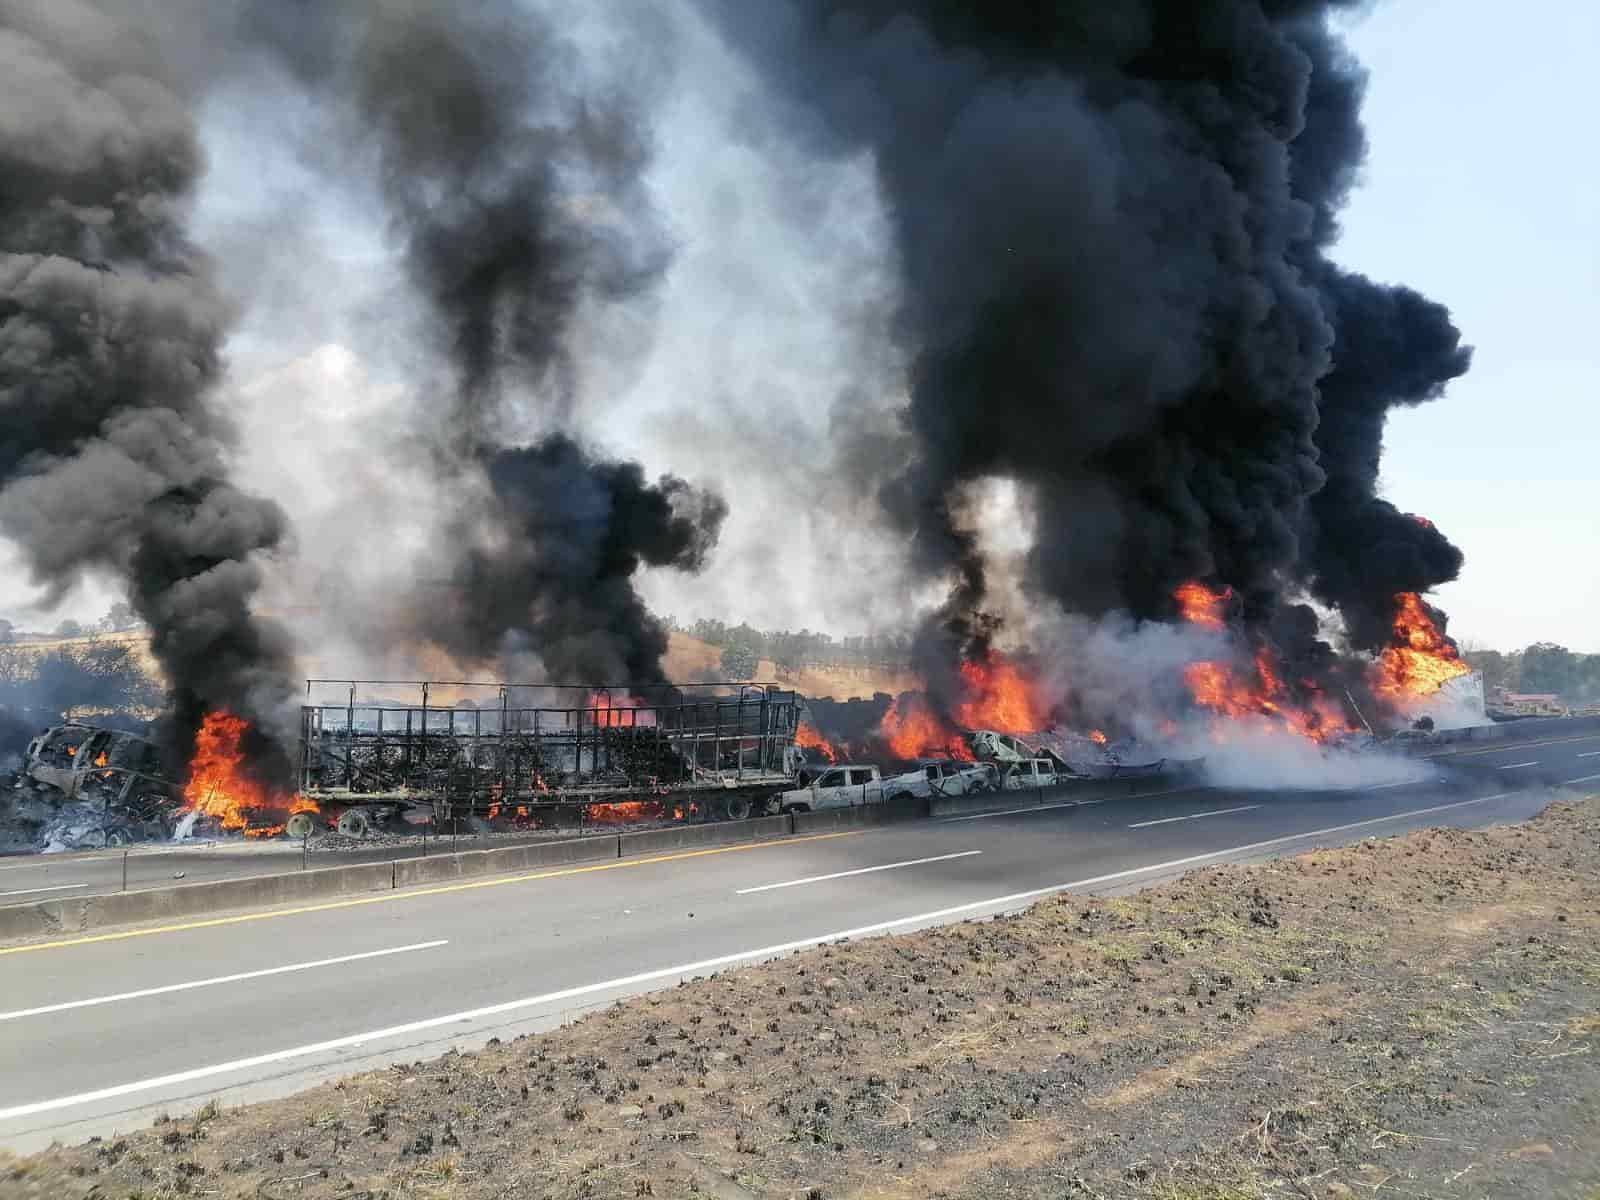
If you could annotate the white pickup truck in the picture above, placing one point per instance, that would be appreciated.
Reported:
(842, 786)
(1028, 775)
(945, 777)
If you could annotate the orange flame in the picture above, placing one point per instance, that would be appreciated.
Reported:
(220, 787)
(624, 812)
(100, 759)
(810, 739)
(1225, 691)
(996, 695)
(915, 731)
(619, 711)
(1199, 605)
(1421, 659)
(1098, 736)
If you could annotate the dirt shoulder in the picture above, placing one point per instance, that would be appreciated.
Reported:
(1413, 1017)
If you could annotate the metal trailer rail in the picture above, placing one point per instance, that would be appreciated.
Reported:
(532, 746)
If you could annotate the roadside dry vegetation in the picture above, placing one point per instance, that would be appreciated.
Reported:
(1415, 1017)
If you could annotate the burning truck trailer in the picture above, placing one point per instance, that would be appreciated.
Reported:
(544, 755)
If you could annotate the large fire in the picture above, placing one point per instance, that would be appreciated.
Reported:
(1421, 659)
(998, 696)
(1262, 695)
(810, 739)
(995, 694)
(1199, 605)
(913, 730)
(219, 786)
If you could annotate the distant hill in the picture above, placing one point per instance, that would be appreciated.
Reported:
(689, 659)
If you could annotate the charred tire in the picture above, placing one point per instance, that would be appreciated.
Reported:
(738, 808)
(897, 797)
(355, 822)
(118, 837)
(797, 808)
(299, 825)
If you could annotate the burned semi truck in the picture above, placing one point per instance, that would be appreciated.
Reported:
(543, 753)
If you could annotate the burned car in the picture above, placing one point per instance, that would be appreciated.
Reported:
(89, 787)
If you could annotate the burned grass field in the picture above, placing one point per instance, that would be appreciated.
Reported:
(1410, 1017)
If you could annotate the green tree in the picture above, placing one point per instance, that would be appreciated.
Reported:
(1547, 667)
(740, 661)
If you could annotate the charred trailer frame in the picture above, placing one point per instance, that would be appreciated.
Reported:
(725, 749)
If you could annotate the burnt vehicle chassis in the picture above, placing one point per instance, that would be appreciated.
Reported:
(109, 783)
(709, 751)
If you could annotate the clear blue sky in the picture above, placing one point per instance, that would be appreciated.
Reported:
(1482, 189)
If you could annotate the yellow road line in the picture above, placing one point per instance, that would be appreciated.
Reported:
(1508, 746)
(412, 893)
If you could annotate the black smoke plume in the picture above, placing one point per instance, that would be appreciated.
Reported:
(550, 573)
(512, 177)
(110, 332)
(1111, 220)
(1392, 347)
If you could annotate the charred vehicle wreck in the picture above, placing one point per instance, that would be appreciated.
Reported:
(84, 787)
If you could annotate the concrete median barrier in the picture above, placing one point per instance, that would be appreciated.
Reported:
(690, 837)
(912, 808)
(191, 900)
(443, 868)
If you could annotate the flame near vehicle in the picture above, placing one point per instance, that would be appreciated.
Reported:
(809, 739)
(220, 787)
(1422, 659)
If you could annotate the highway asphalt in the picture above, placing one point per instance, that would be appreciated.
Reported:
(101, 1032)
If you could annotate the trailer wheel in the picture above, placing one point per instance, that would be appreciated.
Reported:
(117, 837)
(299, 825)
(738, 808)
(355, 823)
(897, 797)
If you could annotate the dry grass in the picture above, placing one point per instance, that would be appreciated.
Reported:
(1382, 1020)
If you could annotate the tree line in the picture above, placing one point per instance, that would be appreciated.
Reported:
(744, 646)
(1541, 667)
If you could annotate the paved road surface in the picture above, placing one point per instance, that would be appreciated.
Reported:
(102, 1032)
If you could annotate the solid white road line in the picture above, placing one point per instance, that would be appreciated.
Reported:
(999, 903)
(60, 887)
(915, 862)
(200, 983)
(1384, 787)
(1590, 754)
(1514, 766)
(1580, 779)
(1216, 812)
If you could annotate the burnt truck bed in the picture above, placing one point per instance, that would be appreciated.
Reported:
(538, 748)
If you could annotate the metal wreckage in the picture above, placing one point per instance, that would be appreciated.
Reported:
(517, 757)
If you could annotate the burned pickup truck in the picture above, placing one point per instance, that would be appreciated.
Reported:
(85, 787)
